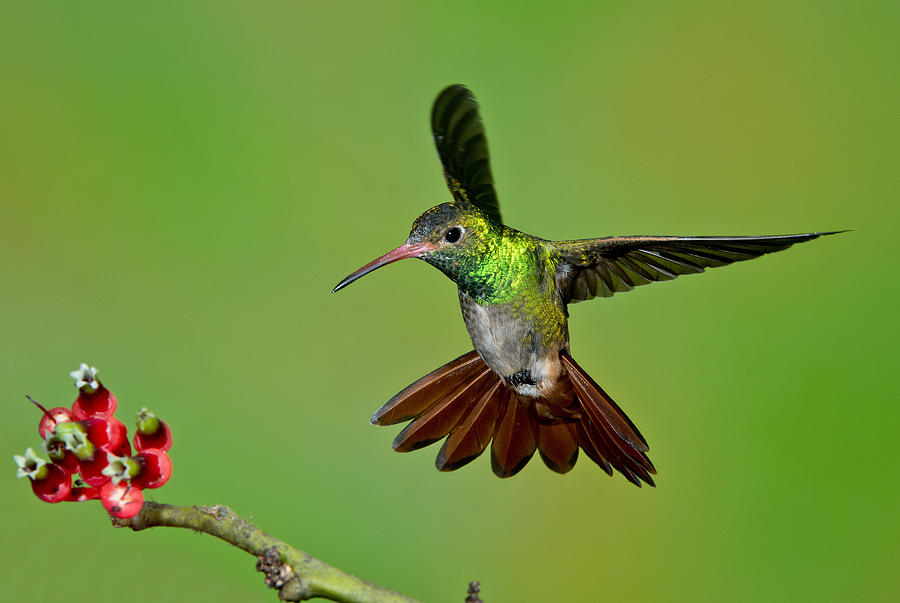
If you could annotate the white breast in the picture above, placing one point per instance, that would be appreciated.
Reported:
(508, 345)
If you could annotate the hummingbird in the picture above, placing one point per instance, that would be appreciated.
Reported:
(520, 390)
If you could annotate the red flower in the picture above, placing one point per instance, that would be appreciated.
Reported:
(152, 432)
(51, 483)
(122, 500)
(52, 418)
(101, 403)
(81, 494)
(108, 433)
(88, 442)
(156, 468)
(94, 400)
(55, 487)
(60, 454)
(91, 468)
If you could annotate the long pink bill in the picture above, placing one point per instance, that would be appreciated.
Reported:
(406, 250)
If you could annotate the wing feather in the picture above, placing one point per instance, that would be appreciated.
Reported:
(591, 268)
(462, 147)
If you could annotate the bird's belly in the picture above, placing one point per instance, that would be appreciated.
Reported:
(514, 348)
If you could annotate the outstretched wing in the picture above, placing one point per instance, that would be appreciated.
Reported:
(462, 147)
(591, 268)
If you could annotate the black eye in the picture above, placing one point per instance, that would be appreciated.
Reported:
(453, 234)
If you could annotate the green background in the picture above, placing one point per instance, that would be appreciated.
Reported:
(182, 184)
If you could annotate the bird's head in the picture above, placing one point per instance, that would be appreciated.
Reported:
(450, 236)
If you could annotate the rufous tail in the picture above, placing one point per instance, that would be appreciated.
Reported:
(467, 403)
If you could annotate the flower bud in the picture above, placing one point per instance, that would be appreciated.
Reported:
(152, 432)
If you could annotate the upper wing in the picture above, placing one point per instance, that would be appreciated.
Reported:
(591, 268)
(462, 147)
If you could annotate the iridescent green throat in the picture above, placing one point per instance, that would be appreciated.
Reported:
(497, 266)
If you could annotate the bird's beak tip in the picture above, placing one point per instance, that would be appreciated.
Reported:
(407, 250)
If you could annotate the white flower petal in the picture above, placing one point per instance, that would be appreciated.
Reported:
(28, 464)
(86, 375)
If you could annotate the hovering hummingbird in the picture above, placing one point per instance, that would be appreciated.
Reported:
(520, 389)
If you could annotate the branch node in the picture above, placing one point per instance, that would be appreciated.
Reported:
(474, 590)
(279, 574)
(293, 591)
(219, 512)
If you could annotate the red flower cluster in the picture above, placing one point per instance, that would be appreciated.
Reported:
(88, 440)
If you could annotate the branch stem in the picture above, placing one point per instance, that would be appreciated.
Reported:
(300, 576)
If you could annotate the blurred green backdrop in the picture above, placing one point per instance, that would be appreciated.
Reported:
(182, 185)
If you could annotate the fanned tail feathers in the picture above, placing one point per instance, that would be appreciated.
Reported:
(465, 402)
(515, 439)
(608, 433)
(474, 433)
(558, 446)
